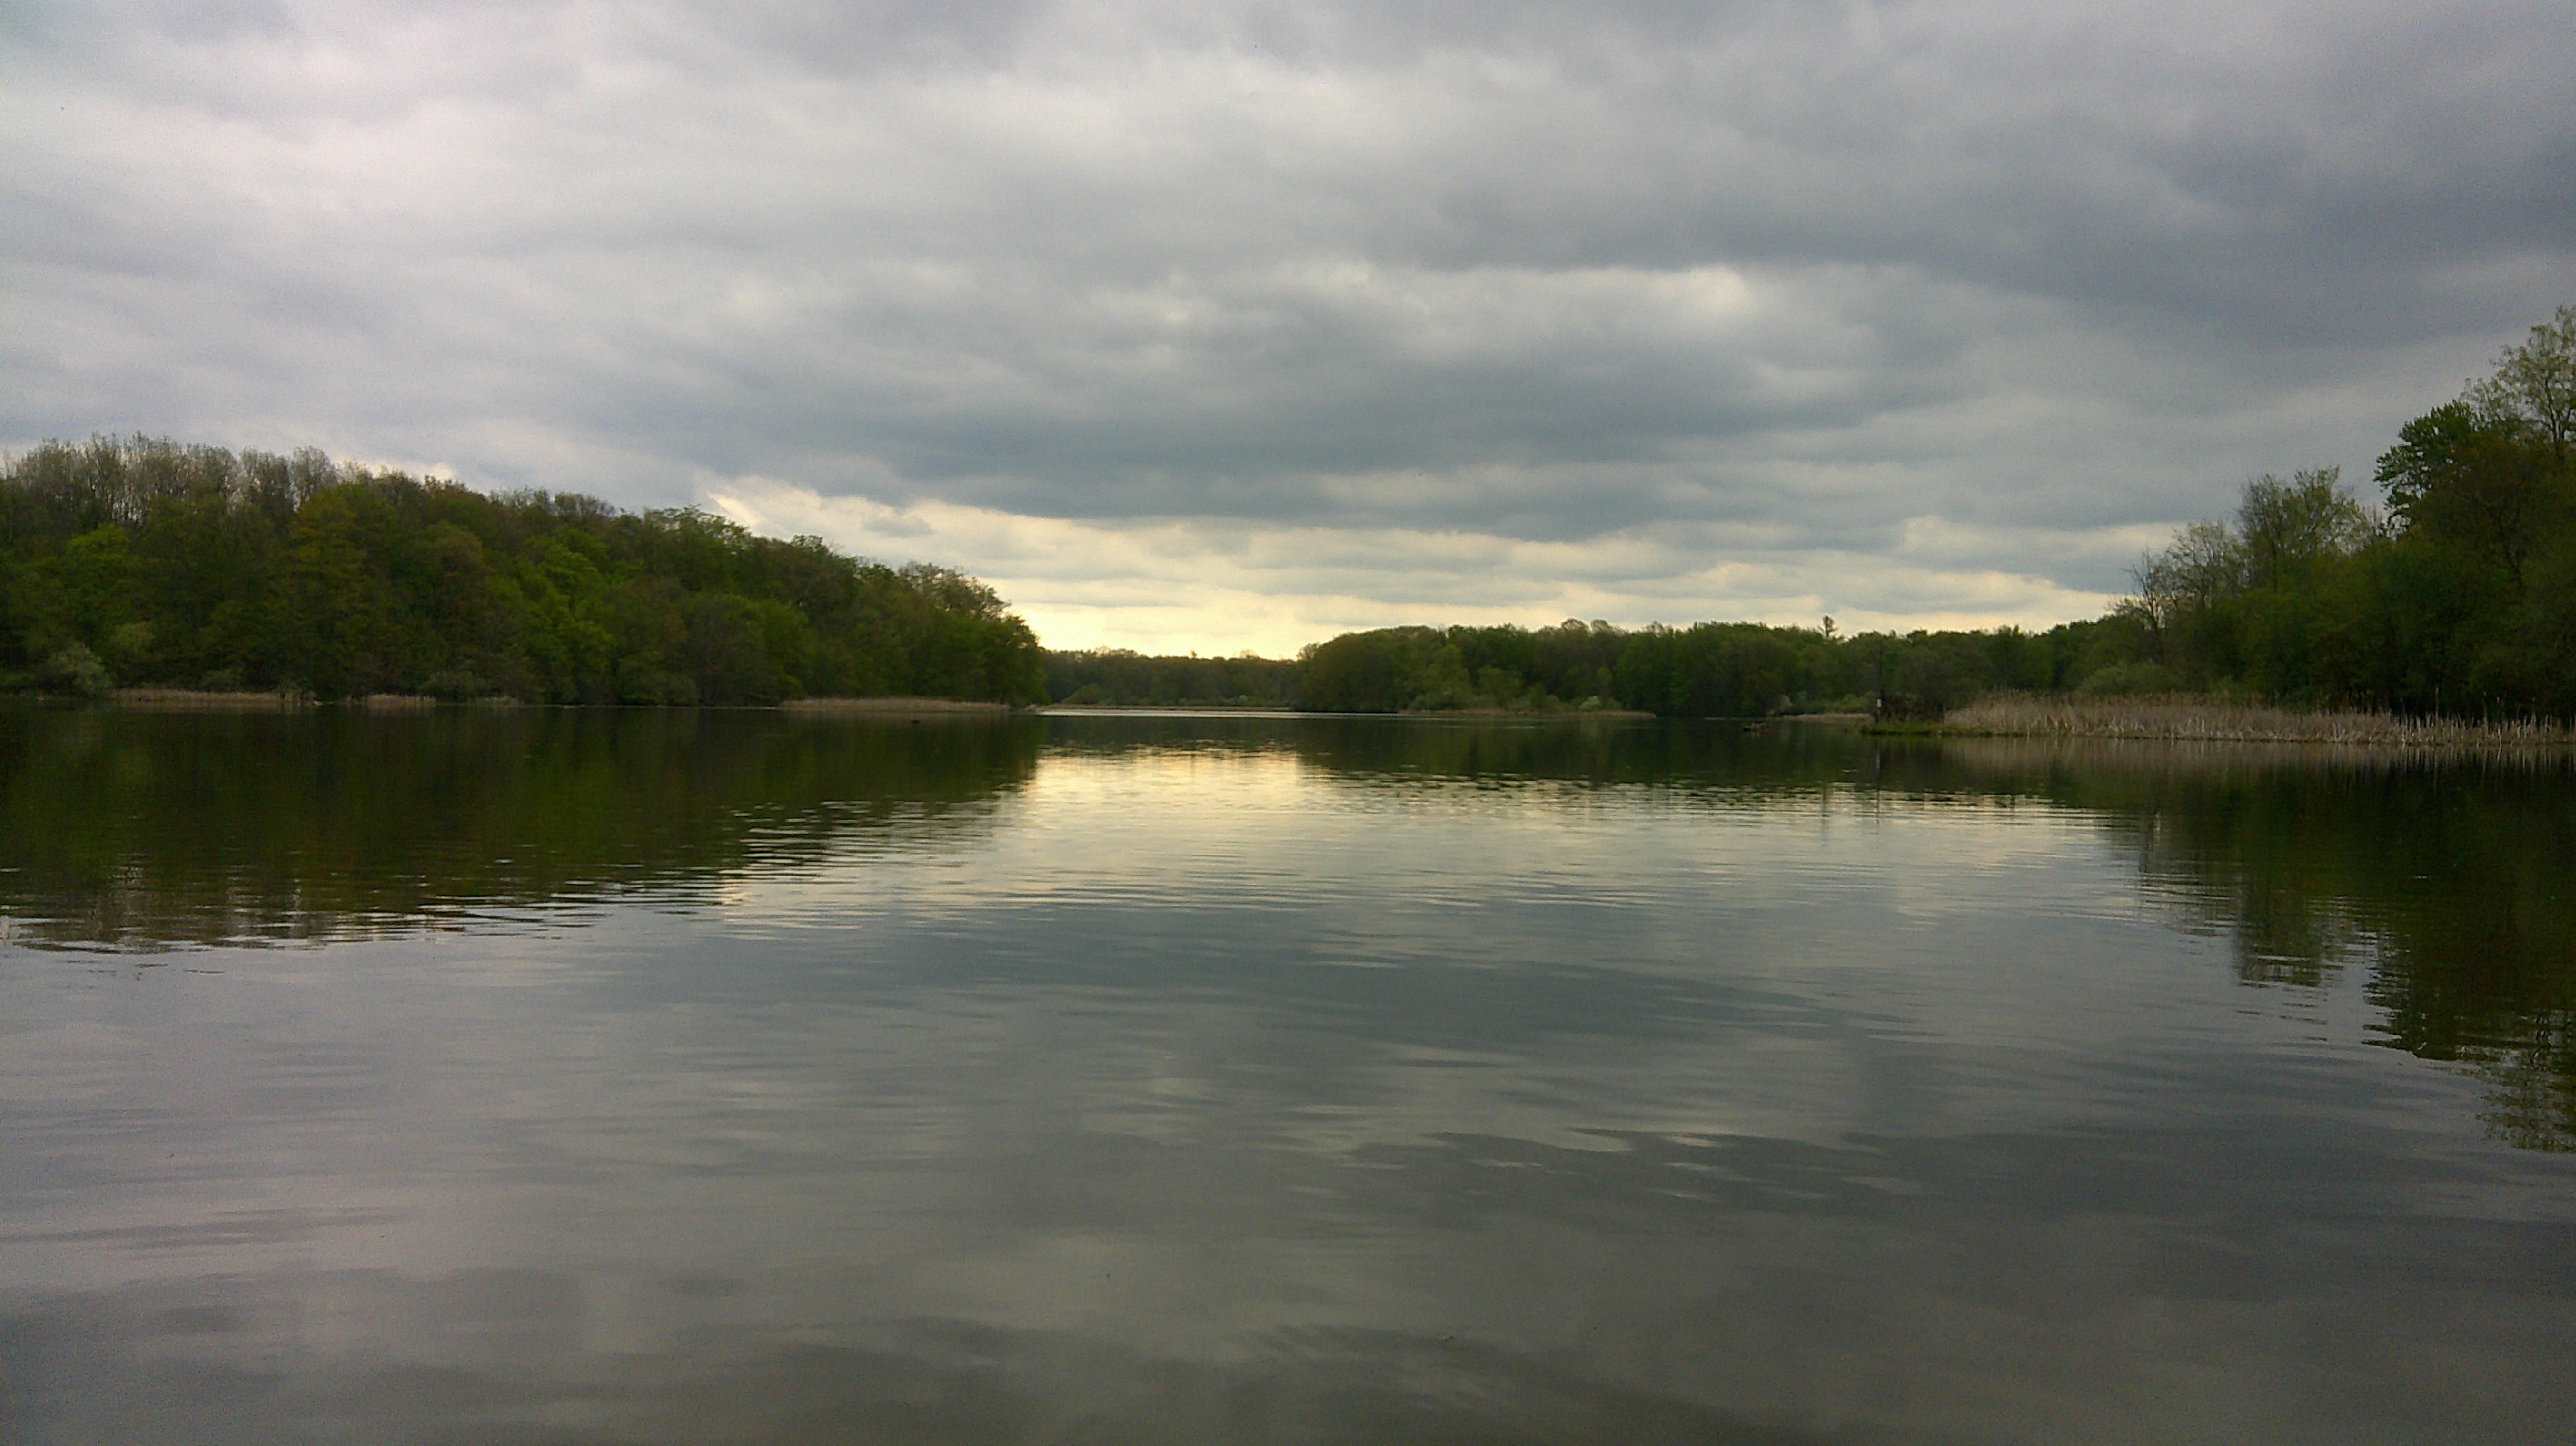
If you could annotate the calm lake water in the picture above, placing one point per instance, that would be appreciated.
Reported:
(588, 1077)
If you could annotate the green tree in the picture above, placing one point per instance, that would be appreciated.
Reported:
(1357, 672)
(2480, 482)
(2533, 387)
(2289, 531)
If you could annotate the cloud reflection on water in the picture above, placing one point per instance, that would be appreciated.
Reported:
(1294, 1081)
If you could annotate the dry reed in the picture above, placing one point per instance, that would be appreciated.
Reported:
(200, 700)
(2188, 717)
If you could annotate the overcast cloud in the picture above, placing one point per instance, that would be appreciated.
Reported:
(1215, 326)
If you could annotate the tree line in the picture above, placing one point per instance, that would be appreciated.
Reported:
(143, 562)
(1123, 678)
(1706, 670)
(2453, 593)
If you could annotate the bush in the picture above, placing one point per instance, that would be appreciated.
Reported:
(75, 669)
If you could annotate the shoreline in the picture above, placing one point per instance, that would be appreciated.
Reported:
(1230, 710)
(839, 706)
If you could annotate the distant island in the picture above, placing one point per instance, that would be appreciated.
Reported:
(145, 564)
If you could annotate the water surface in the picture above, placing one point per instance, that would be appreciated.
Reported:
(589, 1077)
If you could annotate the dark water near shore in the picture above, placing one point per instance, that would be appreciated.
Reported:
(569, 1077)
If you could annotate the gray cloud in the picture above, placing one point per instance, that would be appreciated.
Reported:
(2028, 277)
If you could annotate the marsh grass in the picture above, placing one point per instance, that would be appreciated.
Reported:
(202, 700)
(2189, 717)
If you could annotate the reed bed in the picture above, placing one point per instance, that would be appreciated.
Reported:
(201, 700)
(2191, 718)
(2006, 758)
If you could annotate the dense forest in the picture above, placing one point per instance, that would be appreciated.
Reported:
(2455, 593)
(136, 562)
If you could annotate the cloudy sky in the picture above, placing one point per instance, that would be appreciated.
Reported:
(1215, 325)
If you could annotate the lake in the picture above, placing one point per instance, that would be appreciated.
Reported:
(563, 1076)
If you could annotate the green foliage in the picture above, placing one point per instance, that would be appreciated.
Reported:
(1118, 677)
(2289, 533)
(2534, 387)
(135, 561)
(1381, 672)
(1489, 669)
(76, 670)
(2462, 601)
(2484, 483)
(1710, 670)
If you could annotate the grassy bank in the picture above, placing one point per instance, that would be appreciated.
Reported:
(2188, 717)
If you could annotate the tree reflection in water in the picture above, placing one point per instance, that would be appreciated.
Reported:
(2442, 881)
(145, 832)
